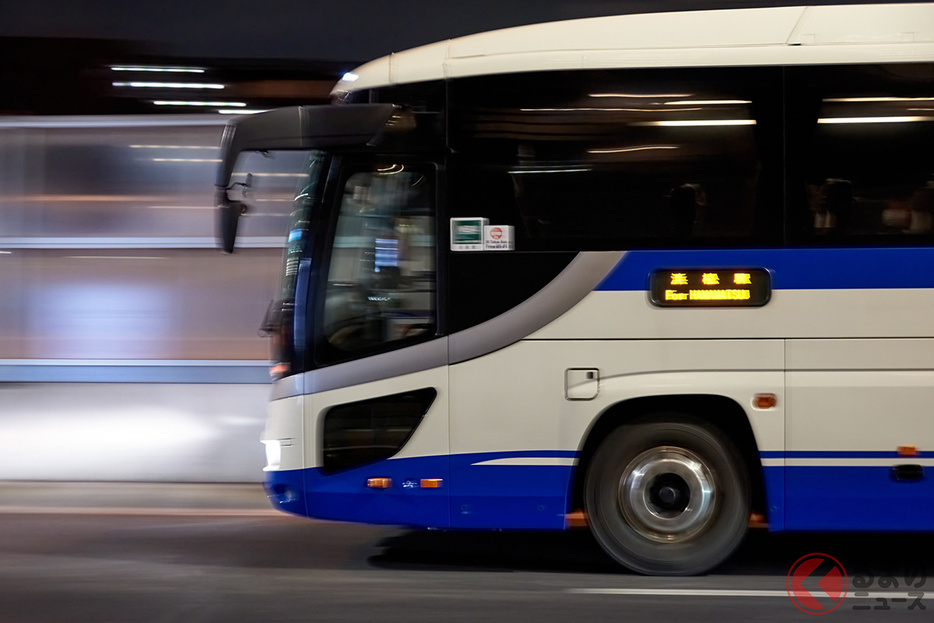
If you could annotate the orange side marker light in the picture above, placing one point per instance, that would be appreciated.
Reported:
(764, 401)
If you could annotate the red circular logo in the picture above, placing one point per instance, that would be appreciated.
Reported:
(817, 583)
(496, 233)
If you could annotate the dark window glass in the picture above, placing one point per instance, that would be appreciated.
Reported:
(621, 159)
(861, 166)
(380, 288)
(485, 285)
(364, 432)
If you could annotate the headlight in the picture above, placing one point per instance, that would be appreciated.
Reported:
(273, 454)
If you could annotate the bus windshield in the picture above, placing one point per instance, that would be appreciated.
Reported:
(381, 270)
(279, 323)
(306, 196)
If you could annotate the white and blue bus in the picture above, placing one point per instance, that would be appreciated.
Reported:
(667, 272)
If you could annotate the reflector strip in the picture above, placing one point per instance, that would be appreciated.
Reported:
(531, 461)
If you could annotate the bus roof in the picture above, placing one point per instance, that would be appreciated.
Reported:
(866, 33)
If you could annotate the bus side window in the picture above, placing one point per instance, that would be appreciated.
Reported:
(861, 170)
(635, 158)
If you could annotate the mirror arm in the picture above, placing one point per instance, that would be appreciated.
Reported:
(229, 213)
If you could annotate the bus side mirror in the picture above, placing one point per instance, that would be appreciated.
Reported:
(228, 216)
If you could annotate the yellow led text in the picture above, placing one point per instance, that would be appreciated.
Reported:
(719, 295)
(674, 295)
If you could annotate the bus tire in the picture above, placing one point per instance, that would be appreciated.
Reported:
(667, 496)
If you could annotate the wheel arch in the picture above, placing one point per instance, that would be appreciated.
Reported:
(720, 412)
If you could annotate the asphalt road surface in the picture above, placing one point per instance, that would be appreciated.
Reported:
(197, 553)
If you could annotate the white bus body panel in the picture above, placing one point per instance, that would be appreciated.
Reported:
(284, 434)
(519, 392)
(767, 36)
(789, 314)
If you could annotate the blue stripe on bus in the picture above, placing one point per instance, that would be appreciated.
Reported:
(473, 496)
(286, 490)
(528, 497)
(344, 496)
(853, 499)
(792, 269)
(843, 454)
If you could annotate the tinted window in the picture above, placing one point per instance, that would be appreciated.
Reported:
(484, 285)
(861, 166)
(621, 159)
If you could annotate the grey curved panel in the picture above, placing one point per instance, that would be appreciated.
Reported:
(287, 387)
(565, 291)
(433, 354)
(580, 277)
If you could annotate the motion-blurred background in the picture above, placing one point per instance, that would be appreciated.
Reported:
(129, 347)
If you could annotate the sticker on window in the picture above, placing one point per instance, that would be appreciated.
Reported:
(476, 234)
(467, 233)
(498, 238)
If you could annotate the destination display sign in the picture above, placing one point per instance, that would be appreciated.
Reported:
(710, 287)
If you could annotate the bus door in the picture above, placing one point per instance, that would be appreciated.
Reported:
(376, 410)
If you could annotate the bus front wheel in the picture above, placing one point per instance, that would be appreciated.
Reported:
(667, 496)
